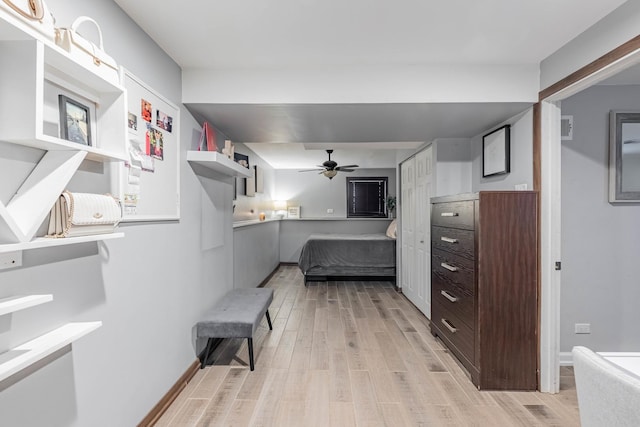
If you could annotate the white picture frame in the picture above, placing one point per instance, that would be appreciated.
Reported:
(293, 212)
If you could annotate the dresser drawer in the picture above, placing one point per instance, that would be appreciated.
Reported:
(459, 301)
(454, 240)
(453, 214)
(450, 328)
(453, 270)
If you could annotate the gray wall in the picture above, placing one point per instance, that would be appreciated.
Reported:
(521, 156)
(315, 193)
(248, 208)
(600, 241)
(256, 253)
(149, 288)
(452, 166)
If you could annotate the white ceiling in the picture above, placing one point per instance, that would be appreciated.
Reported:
(246, 34)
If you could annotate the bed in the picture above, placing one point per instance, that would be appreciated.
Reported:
(353, 256)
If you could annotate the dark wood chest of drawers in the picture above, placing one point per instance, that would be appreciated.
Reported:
(484, 282)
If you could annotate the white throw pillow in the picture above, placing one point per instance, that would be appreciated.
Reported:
(392, 230)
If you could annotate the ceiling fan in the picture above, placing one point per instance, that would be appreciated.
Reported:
(330, 168)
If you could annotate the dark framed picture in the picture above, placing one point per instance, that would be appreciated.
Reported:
(496, 152)
(241, 159)
(75, 121)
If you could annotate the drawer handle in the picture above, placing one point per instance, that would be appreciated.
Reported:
(449, 214)
(449, 240)
(448, 296)
(449, 326)
(448, 266)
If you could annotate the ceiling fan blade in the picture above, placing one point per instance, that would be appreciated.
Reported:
(312, 170)
(632, 141)
(345, 170)
(346, 167)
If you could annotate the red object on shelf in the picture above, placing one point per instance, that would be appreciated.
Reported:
(208, 135)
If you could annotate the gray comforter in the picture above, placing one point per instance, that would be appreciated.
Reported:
(351, 251)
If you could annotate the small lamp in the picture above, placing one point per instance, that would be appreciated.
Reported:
(280, 208)
(330, 173)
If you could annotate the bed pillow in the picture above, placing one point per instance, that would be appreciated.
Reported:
(392, 229)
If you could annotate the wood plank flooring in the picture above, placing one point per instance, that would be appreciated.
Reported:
(352, 354)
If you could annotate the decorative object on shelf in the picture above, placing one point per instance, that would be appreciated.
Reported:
(34, 13)
(83, 214)
(293, 212)
(496, 152)
(262, 216)
(624, 156)
(241, 159)
(228, 149)
(279, 208)
(87, 53)
(75, 121)
(207, 138)
(390, 202)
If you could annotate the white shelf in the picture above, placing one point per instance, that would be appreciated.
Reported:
(25, 355)
(46, 242)
(218, 162)
(13, 304)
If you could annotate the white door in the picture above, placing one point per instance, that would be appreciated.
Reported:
(407, 208)
(416, 230)
(422, 298)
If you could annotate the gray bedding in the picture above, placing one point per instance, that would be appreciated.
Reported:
(348, 255)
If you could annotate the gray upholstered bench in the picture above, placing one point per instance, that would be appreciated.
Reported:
(236, 315)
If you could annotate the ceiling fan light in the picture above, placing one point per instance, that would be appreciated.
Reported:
(330, 174)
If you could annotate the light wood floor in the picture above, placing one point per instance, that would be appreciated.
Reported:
(352, 354)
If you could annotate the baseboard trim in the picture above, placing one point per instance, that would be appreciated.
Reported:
(566, 358)
(265, 281)
(154, 415)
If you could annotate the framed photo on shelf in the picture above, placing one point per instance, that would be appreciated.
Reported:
(293, 212)
(496, 152)
(75, 121)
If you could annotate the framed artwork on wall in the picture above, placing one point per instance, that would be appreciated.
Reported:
(496, 152)
(75, 121)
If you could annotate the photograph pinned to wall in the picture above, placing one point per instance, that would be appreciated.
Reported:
(241, 159)
(130, 203)
(139, 158)
(75, 121)
(132, 122)
(154, 143)
(496, 152)
(164, 121)
(145, 110)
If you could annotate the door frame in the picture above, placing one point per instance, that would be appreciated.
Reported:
(547, 170)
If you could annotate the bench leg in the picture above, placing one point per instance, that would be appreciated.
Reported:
(250, 344)
(269, 320)
(206, 353)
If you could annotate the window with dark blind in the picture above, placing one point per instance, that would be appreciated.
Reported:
(366, 197)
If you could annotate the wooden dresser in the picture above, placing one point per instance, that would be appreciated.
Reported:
(484, 285)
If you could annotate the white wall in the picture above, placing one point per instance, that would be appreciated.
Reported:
(618, 27)
(521, 156)
(315, 193)
(453, 166)
(149, 288)
(600, 241)
(345, 84)
(248, 208)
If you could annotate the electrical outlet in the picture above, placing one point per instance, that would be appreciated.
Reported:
(10, 260)
(521, 187)
(583, 328)
(329, 211)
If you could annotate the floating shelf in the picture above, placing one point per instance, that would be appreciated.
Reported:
(46, 242)
(25, 355)
(218, 162)
(13, 304)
